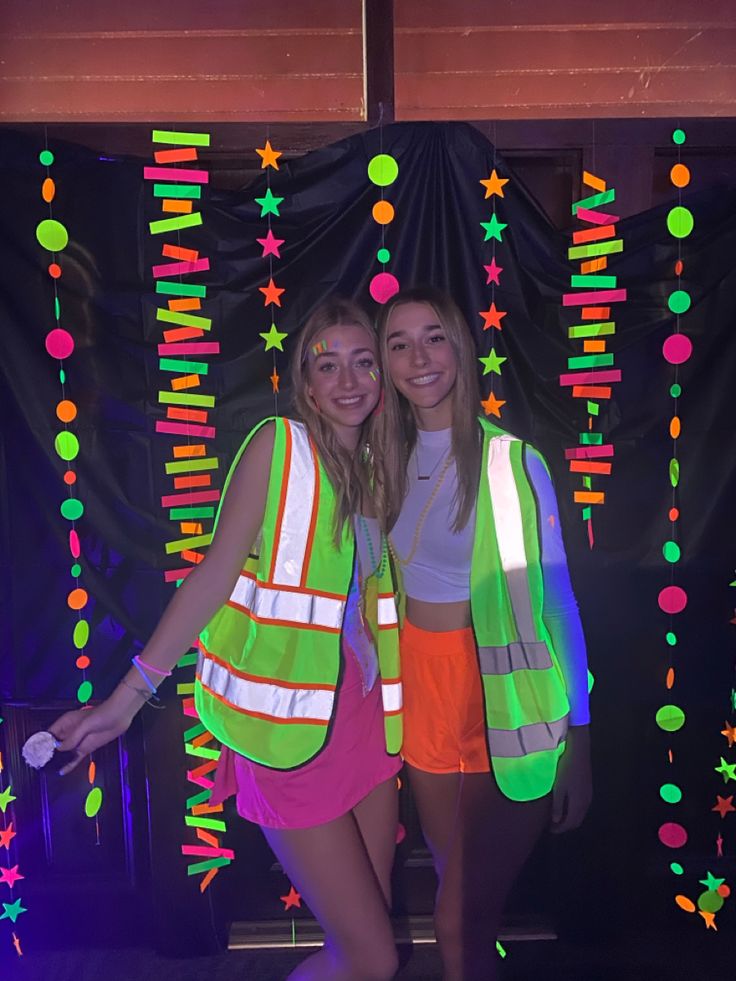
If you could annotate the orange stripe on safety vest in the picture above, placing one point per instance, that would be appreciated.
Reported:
(262, 715)
(282, 498)
(313, 516)
(302, 686)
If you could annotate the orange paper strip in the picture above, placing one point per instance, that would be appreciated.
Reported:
(188, 303)
(186, 415)
(589, 466)
(196, 449)
(196, 480)
(590, 234)
(208, 878)
(182, 334)
(191, 527)
(175, 156)
(590, 180)
(185, 381)
(589, 497)
(594, 347)
(177, 252)
(207, 838)
(189, 555)
(591, 391)
(177, 206)
(596, 313)
(207, 809)
(594, 265)
(202, 739)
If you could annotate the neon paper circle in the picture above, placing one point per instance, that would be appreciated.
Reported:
(72, 509)
(674, 472)
(81, 634)
(48, 190)
(74, 546)
(91, 771)
(70, 477)
(93, 802)
(682, 901)
(52, 235)
(677, 349)
(671, 638)
(671, 551)
(84, 692)
(77, 599)
(383, 286)
(670, 679)
(383, 255)
(76, 571)
(710, 901)
(675, 390)
(383, 212)
(670, 718)
(672, 835)
(724, 890)
(66, 410)
(82, 662)
(66, 445)
(680, 222)
(54, 270)
(675, 427)
(591, 681)
(678, 137)
(678, 267)
(383, 170)
(59, 343)
(679, 301)
(670, 793)
(46, 157)
(672, 599)
(680, 175)
(676, 868)
(673, 514)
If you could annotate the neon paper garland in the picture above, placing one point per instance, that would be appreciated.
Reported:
(492, 317)
(590, 374)
(9, 873)
(193, 503)
(383, 169)
(273, 338)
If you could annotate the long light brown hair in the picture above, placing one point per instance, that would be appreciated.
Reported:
(394, 431)
(347, 470)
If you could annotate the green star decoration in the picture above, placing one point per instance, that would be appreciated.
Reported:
(492, 362)
(493, 228)
(269, 204)
(710, 881)
(5, 799)
(727, 769)
(273, 338)
(12, 911)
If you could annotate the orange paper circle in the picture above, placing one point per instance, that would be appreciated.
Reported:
(680, 175)
(66, 410)
(77, 599)
(675, 427)
(383, 212)
(82, 662)
(70, 477)
(91, 771)
(684, 903)
(670, 678)
(724, 890)
(678, 267)
(674, 514)
(48, 190)
(54, 270)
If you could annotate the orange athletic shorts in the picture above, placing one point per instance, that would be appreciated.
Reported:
(444, 713)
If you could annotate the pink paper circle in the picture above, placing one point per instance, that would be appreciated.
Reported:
(677, 349)
(59, 343)
(672, 835)
(383, 286)
(672, 599)
(74, 546)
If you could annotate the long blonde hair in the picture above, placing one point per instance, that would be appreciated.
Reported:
(347, 471)
(394, 431)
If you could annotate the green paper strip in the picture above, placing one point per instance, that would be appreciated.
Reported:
(200, 822)
(181, 139)
(185, 688)
(184, 367)
(195, 463)
(593, 408)
(182, 543)
(173, 224)
(600, 329)
(587, 483)
(587, 513)
(605, 197)
(202, 752)
(193, 732)
(183, 319)
(201, 798)
(187, 660)
(177, 191)
(209, 863)
(598, 248)
(186, 398)
(180, 289)
(591, 439)
(181, 514)
(590, 361)
(585, 281)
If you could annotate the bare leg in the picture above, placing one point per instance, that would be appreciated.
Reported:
(331, 867)
(378, 818)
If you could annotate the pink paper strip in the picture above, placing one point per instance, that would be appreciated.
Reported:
(186, 429)
(200, 781)
(596, 217)
(174, 575)
(180, 268)
(175, 174)
(588, 452)
(189, 497)
(591, 377)
(594, 297)
(206, 851)
(190, 347)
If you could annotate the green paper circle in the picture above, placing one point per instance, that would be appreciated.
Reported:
(680, 222)
(670, 718)
(676, 868)
(93, 802)
(676, 390)
(383, 170)
(670, 793)
(62, 375)
(710, 901)
(84, 692)
(66, 445)
(591, 681)
(81, 634)
(671, 638)
(46, 157)
(671, 551)
(674, 472)
(72, 508)
(76, 570)
(679, 137)
(679, 301)
(383, 255)
(52, 235)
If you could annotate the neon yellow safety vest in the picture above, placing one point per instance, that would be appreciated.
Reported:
(526, 701)
(269, 662)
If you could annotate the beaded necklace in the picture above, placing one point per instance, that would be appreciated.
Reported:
(422, 517)
(368, 585)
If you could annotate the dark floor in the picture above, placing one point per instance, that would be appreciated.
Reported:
(693, 958)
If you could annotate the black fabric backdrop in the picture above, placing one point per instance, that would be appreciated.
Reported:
(108, 305)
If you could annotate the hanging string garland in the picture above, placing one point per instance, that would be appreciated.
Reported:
(192, 505)
(383, 169)
(590, 374)
(273, 338)
(492, 317)
(12, 904)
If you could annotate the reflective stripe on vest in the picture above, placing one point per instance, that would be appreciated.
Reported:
(534, 738)
(291, 607)
(297, 510)
(387, 615)
(275, 700)
(392, 695)
(517, 656)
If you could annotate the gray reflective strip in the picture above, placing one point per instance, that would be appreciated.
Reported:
(514, 657)
(265, 697)
(507, 518)
(287, 605)
(300, 491)
(387, 611)
(392, 694)
(534, 738)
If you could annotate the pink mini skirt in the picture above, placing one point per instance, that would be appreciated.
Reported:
(352, 763)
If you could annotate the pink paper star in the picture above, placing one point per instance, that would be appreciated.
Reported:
(270, 245)
(10, 876)
(292, 898)
(494, 271)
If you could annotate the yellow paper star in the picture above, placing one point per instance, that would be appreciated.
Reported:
(494, 184)
(273, 338)
(269, 156)
(492, 405)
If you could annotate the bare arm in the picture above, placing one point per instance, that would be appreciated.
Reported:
(193, 605)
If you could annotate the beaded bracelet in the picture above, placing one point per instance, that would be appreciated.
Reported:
(150, 667)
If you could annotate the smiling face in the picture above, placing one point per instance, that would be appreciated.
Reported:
(422, 363)
(343, 379)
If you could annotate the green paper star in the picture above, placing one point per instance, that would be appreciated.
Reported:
(273, 338)
(492, 363)
(12, 911)
(269, 204)
(727, 769)
(493, 228)
(710, 881)
(5, 799)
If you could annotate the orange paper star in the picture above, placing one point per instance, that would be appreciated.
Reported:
(724, 805)
(494, 184)
(492, 317)
(710, 919)
(291, 899)
(271, 293)
(268, 156)
(730, 733)
(492, 405)
(6, 836)
(275, 382)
